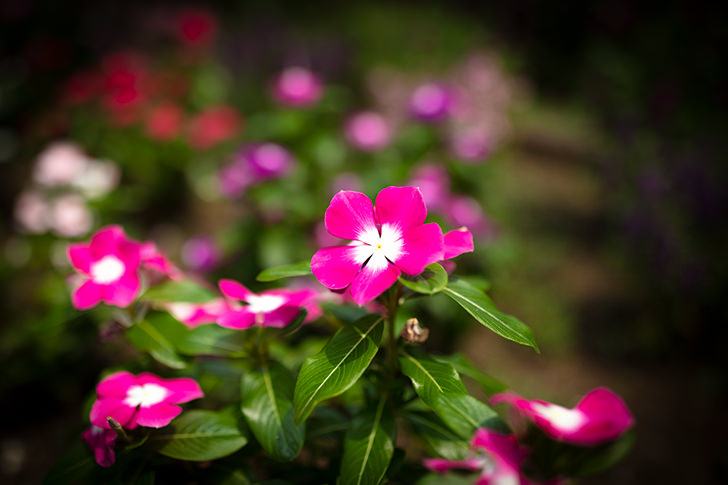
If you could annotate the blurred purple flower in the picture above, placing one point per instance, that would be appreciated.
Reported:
(253, 164)
(297, 86)
(431, 102)
(200, 253)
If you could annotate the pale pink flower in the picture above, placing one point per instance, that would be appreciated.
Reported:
(70, 216)
(368, 131)
(31, 212)
(98, 179)
(109, 264)
(600, 416)
(434, 183)
(431, 102)
(143, 400)
(388, 238)
(470, 145)
(59, 164)
(273, 308)
(101, 441)
(297, 86)
(195, 314)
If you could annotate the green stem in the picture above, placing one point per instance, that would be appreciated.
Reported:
(392, 307)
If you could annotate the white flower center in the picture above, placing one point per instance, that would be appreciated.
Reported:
(145, 395)
(561, 417)
(379, 249)
(107, 269)
(264, 303)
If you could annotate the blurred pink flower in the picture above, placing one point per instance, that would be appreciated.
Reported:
(164, 121)
(70, 216)
(213, 125)
(143, 400)
(101, 441)
(154, 259)
(200, 253)
(273, 308)
(109, 264)
(368, 131)
(388, 238)
(98, 179)
(196, 27)
(59, 164)
(470, 145)
(434, 183)
(465, 211)
(254, 163)
(195, 314)
(31, 212)
(431, 102)
(600, 416)
(297, 86)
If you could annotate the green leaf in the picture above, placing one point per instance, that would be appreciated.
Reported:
(158, 335)
(449, 479)
(185, 291)
(213, 340)
(438, 436)
(490, 385)
(432, 280)
(267, 404)
(483, 310)
(73, 466)
(338, 365)
(200, 436)
(439, 386)
(287, 271)
(368, 446)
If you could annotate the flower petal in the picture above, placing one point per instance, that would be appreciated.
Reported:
(239, 319)
(106, 241)
(111, 407)
(280, 317)
(123, 291)
(350, 214)
(179, 390)
(422, 246)
(87, 295)
(457, 242)
(80, 257)
(233, 289)
(607, 417)
(101, 441)
(373, 280)
(157, 415)
(442, 466)
(116, 384)
(403, 207)
(336, 266)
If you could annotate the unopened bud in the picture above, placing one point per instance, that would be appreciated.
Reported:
(117, 428)
(413, 332)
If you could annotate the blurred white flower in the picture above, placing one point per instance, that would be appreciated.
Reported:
(31, 212)
(70, 216)
(59, 164)
(98, 179)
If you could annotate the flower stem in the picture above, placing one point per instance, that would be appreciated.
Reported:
(392, 307)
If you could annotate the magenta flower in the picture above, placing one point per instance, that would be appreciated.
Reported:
(273, 308)
(470, 145)
(600, 416)
(200, 253)
(297, 86)
(110, 265)
(101, 441)
(143, 400)
(368, 131)
(155, 260)
(388, 239)
(253, 164)
(496, 456)
(431, 102)
(195, 314)
(434, 183)
(457, 242)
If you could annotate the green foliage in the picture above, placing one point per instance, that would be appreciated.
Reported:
(287, 271)
(159, 334)
(432, 280)
(213, 339)
(184, 291)
(461, 364)
(440, 438)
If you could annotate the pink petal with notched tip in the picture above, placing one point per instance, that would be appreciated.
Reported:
(157, 415)
(281, 317)
(123, 291)
(113, 407)
(80, 257)
(608, 416)
(372, 281)
(116, 384)
(422, 246)
(403, 207)
(87, 295)
(233, 289)
(457, 242)
(335, 266)
(349, 215)
(106, 240)
(238, 319)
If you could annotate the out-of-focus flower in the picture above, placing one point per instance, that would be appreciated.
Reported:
(200, 253)
(297, 86)
(470, 145)
(31, 212)
(98, 179)
(59, 164)
(109, 264)
(125, 86)
(377, 255)
(434, 183)
(195, 314)
(196, 27)
(101, 441)
(431, 102)
(164, 121)
(273, 308)
(368, 131)
(465, 211)
(143, 400)
(254, 163)
(347, 181)
(81, 87)
(70, 216)
(600, 416)
(213, 125)
(496, 456)
(154, 259)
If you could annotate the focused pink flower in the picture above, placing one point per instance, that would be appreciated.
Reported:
(496, 456)
(101, 441)
(600, 416)
(195, 314)
(143, 400)
(431, 102)
(110, 264)
(213, 125)
(273, 308)
(457, 242)
(297, 86)
(368, 131)
(388, 239)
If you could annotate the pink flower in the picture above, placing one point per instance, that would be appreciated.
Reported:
(368, 131)
(164, 121)
(388, 239)
(213, 125)
(266, 160)
(273, 308)
(110, 265)
(195, 314)
(470, 145)
(457, 242)
(498, 457)
(600, 416)
(143, 400)
(431, 102)
(155, 260)
(196, 27)
(70, 216)
(434, 182)
(297, 86)
(200, 253)
(59, 164)
(465, 211)
(101, 441)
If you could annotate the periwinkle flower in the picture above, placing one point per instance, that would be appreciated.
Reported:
(298, 87)
(368, 131)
